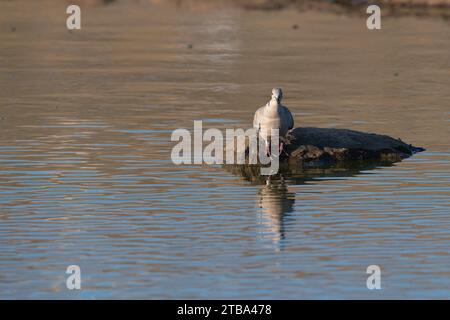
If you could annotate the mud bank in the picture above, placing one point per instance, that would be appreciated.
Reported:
(389, 7)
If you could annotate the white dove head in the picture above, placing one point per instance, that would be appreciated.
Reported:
(277, 94)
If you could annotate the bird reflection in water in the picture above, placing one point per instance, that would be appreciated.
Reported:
(275, 202)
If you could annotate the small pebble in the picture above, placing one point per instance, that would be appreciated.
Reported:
(13, 29)
(396, 74)
(190, 46)
(295, 26)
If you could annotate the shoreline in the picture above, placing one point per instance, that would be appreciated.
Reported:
(389, 8)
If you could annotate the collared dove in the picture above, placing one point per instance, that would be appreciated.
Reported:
(273, 116)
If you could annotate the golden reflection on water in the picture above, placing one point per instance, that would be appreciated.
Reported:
(86, 176)
(276, 203)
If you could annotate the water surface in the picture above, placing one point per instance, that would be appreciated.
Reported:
(86, 176)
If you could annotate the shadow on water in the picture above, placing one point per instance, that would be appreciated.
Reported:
(277, 202)
(300, 174)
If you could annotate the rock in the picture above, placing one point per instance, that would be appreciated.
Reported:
(331, 145)
(312, 152)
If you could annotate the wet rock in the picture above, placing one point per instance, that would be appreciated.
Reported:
(311, 152)
(390, 7)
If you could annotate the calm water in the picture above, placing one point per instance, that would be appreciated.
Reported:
(86, 176)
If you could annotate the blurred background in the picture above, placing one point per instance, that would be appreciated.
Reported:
(86, 177)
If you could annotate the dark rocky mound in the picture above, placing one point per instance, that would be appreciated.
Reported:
(324, 146)
(320, 152)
